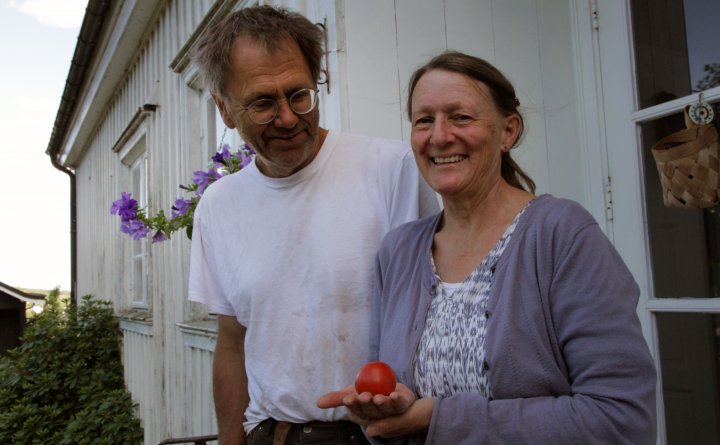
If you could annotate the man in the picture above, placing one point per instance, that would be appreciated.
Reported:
(283, 251)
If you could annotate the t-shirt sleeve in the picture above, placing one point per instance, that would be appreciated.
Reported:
(203, 284)
(412, 198)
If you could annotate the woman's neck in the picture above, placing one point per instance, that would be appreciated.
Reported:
(469, 229)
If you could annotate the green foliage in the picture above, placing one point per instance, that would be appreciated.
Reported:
(64, 385)
(711, 79)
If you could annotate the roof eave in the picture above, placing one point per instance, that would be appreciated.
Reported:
(108, 42)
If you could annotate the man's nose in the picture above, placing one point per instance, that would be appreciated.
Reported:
(285, 117)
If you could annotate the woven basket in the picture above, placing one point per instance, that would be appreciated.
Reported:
(689, 167)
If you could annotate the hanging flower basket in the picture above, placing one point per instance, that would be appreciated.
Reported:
(136, 222)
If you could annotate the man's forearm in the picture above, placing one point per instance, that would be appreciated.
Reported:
(230, 391)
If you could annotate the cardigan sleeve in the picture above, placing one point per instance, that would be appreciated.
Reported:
(576, 369)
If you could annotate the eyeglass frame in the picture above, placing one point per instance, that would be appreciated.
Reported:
(314, 97)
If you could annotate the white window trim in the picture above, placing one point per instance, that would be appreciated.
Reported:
(139, 249)
(133, 152)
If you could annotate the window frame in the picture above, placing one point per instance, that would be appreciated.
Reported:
(134, 157)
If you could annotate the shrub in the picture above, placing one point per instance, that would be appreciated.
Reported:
(64, 385)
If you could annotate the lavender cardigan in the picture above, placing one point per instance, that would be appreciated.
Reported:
(566, 359)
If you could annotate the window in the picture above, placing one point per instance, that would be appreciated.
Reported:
(218, 133)
(211, 131)
(224, 135)
(675, 51)
(139, 248)
(134, 157)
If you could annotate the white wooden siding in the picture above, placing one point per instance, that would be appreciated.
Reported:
(199, 344)
(139, 359)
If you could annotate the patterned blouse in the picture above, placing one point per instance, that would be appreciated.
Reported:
(451, 354)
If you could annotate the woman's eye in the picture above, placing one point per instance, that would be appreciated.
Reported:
(422, 121)
(462, 118)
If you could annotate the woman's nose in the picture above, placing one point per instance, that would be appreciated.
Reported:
(440, 133)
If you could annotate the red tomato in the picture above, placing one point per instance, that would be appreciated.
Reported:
(375, 378)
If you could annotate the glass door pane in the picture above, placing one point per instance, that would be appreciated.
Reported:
(676, 48)
(684, 243)
(689, 369)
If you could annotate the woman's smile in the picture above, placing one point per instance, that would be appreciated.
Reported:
(449, 159)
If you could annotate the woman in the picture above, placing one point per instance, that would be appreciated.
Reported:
(507, 318)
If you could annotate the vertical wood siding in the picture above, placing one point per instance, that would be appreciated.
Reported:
(139, 358)
(198, 398)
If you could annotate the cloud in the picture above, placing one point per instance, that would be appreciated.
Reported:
(58, 13)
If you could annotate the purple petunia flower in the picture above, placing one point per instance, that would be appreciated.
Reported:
(135, 228)
(159, 236)
(222, 156)
(245, 154)
(125, 207)
(181, 206)
(203, 179)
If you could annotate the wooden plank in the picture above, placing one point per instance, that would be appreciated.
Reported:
(373, 104)
(420, 35)
(470, 27)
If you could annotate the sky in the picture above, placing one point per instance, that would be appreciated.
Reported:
(37, 41)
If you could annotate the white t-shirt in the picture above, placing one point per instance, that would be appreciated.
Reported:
(293, 259)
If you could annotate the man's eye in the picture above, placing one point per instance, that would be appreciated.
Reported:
(262, 105)
(300, 97)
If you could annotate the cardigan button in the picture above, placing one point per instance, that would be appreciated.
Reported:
(487, 314)
(486, 365)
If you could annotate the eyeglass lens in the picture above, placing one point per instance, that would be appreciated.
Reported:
(263, 111)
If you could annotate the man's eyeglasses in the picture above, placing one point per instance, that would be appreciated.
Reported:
(263, 111)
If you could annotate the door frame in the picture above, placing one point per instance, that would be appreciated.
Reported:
(621, 118)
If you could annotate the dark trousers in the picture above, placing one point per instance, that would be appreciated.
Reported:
(271, 432)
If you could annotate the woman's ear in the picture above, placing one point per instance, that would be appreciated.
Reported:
(511, 131)
(226, 116)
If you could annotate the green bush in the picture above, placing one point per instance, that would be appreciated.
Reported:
(64, 385)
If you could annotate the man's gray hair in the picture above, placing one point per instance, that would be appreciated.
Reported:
(269, 27)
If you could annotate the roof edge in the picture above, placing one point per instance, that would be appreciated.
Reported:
(95, 14)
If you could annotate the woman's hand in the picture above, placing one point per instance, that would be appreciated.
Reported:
(415, 420)
(397, 414)
(364, 407)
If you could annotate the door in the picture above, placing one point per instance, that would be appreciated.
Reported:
(656, 58)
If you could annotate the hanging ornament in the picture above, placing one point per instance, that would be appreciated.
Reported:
(701, 112)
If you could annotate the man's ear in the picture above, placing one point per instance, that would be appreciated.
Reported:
(226, 116)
